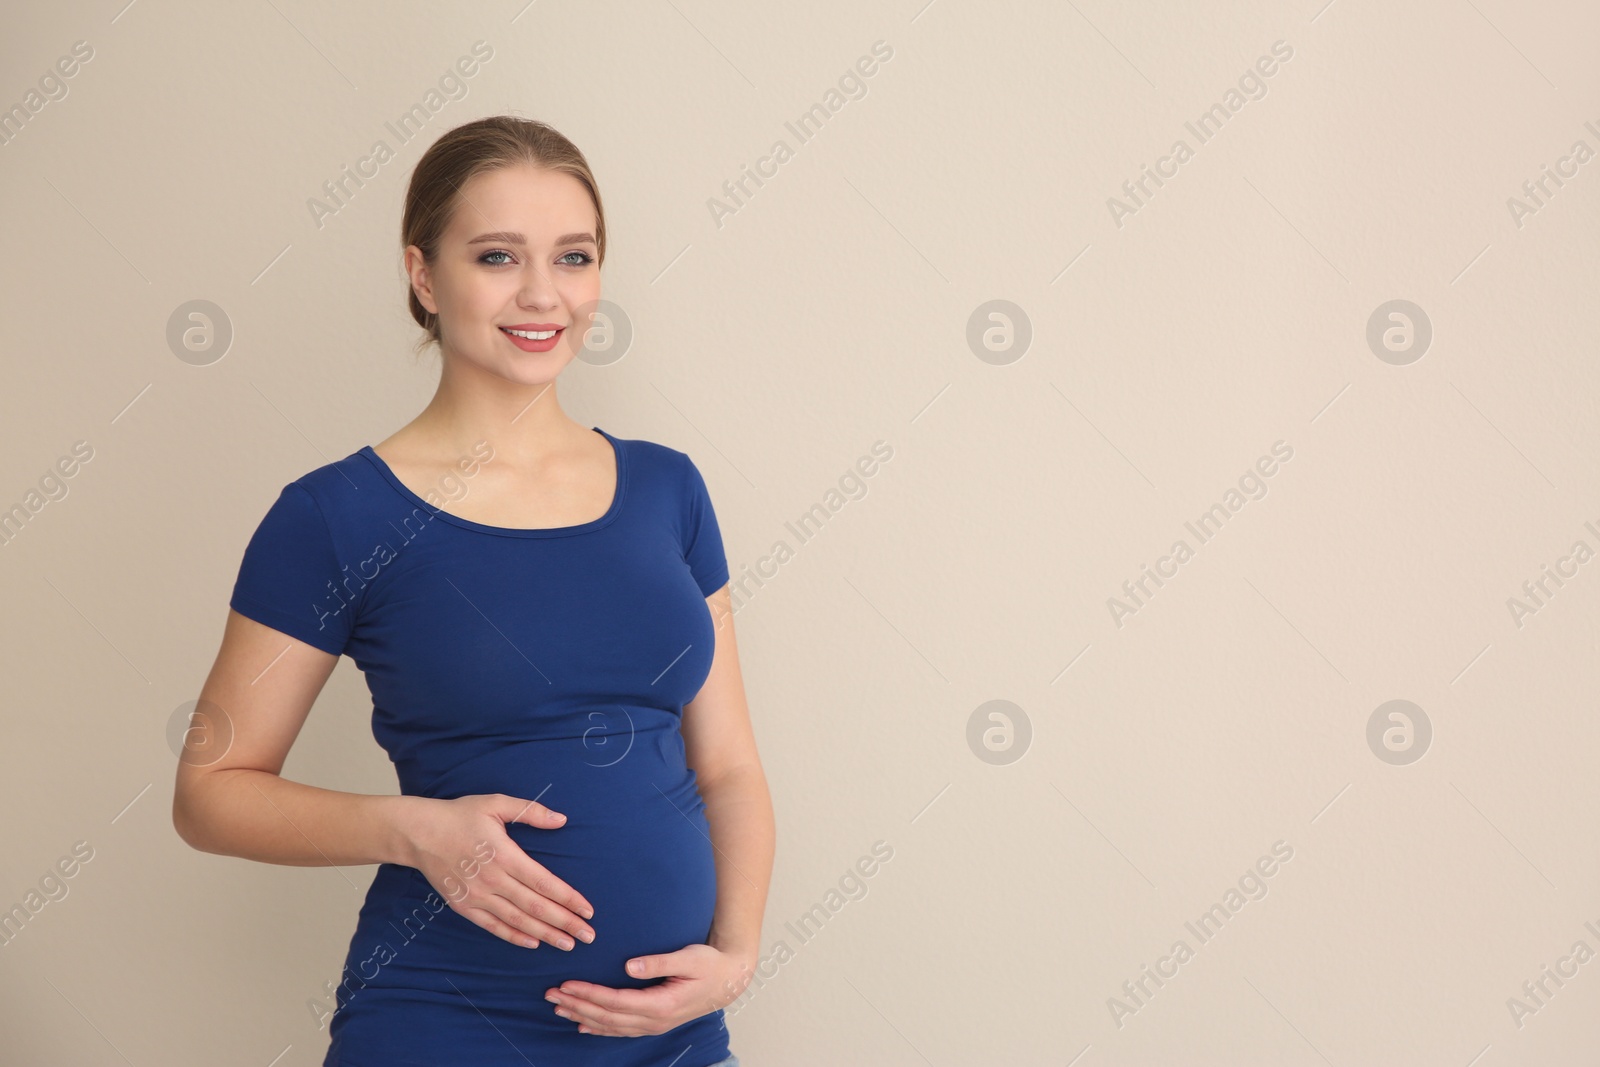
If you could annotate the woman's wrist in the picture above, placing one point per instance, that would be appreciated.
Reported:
(746, 950)
(396, 813)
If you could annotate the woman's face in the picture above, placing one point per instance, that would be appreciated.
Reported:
(519, 253)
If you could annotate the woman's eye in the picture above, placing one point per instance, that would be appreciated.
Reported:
(583, 260)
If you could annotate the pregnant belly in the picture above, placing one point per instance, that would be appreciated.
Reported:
(635, 844)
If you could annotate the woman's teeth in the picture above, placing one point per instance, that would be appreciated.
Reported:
(532, 335)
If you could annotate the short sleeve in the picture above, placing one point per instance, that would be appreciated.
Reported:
(290, 578)
(702, 538)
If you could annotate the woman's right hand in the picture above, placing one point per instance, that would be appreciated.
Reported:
(462, 849)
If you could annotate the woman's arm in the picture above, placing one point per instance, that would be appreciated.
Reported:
(721, 747)
(229, 798)
(739, 810)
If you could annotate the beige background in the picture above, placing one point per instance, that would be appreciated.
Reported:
(1162, 758)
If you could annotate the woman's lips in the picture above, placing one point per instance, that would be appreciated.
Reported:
(529, 344)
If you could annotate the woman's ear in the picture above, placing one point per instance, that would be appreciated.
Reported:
(421, 280)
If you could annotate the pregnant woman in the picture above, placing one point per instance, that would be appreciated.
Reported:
(575, 869)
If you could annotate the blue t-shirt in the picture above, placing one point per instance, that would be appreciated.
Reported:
(547, 664)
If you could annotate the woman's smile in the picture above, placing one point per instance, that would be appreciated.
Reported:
(536, 337)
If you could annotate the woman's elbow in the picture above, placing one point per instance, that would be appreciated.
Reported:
(187, 821)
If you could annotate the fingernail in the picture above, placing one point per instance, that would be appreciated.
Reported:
(587, 935)
(566, 943)
(552, 998)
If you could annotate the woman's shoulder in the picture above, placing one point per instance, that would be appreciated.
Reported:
(653, 457)
(346, 495)
(339, 479)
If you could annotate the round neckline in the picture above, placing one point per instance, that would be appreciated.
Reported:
(621, 460)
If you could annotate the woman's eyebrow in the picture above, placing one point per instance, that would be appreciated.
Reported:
(510, 238)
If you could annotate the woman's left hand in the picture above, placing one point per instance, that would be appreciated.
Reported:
(699, 980)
